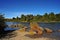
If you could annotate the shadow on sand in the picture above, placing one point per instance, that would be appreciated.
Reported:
(8, 34)
(49, 36)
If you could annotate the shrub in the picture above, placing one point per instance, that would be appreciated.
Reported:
(2, 23)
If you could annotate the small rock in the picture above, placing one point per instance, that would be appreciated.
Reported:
(25, 28)
(48, 30)
(13, 26)
(59, 30)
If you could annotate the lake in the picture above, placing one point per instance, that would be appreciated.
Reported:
(54, 26)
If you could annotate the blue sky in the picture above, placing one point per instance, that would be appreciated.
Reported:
(13, 8)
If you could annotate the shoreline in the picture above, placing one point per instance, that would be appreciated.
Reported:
(37, 22)
(25, 36)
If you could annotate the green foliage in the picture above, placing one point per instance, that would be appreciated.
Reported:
(57, 17)
(2, 23)
(23, 17)
(51, 17)
(45, 17)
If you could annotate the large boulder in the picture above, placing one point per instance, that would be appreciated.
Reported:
(36, 28)
(39, 30)
(48, 30)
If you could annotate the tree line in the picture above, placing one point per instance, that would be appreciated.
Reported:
(51, 17)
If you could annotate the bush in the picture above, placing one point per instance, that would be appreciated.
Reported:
(2, 23)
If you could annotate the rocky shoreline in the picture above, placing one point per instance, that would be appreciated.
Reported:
(18, 35)
(34, 33)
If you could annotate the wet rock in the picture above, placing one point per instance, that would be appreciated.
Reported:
(12, 26)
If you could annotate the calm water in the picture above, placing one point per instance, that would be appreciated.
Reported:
(53, 26)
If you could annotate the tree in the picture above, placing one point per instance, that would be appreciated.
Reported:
(29, 18)
(23, 17)
(38, 17)
(13, 17)
(58, 17)
(17, 17)
(45, 17)
(52, 16)
(2, 23)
